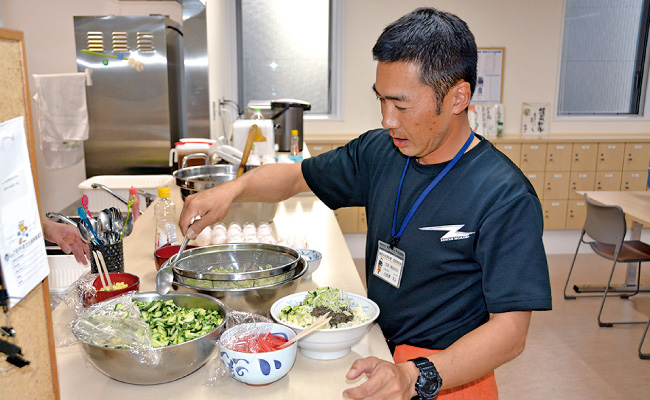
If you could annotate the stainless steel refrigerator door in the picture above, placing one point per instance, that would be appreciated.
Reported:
(131, 130)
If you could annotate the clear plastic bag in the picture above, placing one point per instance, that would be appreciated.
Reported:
(71, 305)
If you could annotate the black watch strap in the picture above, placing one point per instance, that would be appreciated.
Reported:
(429, 382)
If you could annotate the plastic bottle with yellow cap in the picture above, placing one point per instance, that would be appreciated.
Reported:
(165, 212)
(295, 142)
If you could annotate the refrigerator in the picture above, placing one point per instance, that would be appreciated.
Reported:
(135, 93)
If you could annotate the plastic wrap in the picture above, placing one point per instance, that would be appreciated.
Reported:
(117, 323)
(100, 324)
(217, 372)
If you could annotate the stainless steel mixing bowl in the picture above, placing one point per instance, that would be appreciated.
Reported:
(175, 361)
(257, 299)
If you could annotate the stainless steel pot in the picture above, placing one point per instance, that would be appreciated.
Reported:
(202, 177)
(192, 180)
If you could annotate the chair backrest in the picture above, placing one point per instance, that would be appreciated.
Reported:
(604, 223)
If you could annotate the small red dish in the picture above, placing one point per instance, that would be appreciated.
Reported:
(164, 253)
(133, 282)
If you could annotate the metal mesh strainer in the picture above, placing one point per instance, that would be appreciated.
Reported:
(234, 262)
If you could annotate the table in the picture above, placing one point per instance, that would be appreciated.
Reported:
(303, 215)
(636, 206)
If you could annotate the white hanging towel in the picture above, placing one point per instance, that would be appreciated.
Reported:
(62, 117)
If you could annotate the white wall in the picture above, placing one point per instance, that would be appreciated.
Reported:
(49, 43)
(529, 30)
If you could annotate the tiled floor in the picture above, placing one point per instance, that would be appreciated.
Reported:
(568, 356)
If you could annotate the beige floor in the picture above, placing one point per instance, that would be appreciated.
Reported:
(568, 356)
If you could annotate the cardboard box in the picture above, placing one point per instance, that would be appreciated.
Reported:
(535, 118)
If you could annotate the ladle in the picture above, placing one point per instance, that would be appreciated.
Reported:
(165, 275)
(164, 279)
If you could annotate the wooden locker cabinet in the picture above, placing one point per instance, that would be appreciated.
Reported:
(363, 222)
(512, 150)
(636, 157)
(348, 218)
(533, 157)
(555, 212)
(576, 214)
(608, 180)
(537, 180)
(556, 185)
(558, 156)
(634, 180)
(316, 148)
(581, 181)
(584, 156)
(610, 157)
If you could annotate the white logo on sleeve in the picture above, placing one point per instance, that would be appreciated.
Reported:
(453, 232)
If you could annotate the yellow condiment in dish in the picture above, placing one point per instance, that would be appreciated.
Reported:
(116, 286)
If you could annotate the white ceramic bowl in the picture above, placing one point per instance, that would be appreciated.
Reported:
(329, 344)
(313, 258)
(258, 368)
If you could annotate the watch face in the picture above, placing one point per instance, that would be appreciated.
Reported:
(430, 385)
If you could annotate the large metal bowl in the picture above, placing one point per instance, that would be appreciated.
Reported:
(257, 299)
(175, 361)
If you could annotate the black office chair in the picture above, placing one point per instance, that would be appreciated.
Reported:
(607, 227)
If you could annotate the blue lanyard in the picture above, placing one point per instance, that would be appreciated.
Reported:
(425, 193)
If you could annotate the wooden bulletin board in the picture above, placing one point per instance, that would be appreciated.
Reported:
(31, 318)
(489, 84)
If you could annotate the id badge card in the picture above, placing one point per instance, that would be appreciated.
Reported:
(389, 264)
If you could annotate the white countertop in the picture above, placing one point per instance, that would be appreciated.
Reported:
(300, 216)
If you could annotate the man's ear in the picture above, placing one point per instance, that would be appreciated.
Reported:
(462, 97)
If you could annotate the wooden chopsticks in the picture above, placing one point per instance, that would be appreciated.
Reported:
(324, 319)
(102, 269)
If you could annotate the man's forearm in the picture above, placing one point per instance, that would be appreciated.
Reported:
(484, 349)
(271, 183)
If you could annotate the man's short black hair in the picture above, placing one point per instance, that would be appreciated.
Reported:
(440, 43)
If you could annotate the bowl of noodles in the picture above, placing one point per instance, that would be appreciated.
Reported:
(351, 315)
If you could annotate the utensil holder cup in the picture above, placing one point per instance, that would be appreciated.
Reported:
(113, 256)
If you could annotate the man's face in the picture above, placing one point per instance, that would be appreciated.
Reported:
(409, 110)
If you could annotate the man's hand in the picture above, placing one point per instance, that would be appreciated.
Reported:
(68, 239)
(385, 380)
(211, 205)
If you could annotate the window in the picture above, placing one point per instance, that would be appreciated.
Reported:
(603, 60)
(288, 49)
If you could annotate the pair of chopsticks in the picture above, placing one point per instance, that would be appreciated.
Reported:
(324, 319)
(101, 268)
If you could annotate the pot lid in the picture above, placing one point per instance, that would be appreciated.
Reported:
(291, 103)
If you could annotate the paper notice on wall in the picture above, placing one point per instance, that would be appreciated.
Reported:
(22, 248)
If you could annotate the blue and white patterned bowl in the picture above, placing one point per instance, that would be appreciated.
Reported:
(313, 258)
(258, 368)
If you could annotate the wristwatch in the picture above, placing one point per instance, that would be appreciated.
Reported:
(429, 382)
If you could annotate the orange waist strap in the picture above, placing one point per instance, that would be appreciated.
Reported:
(484, 388)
